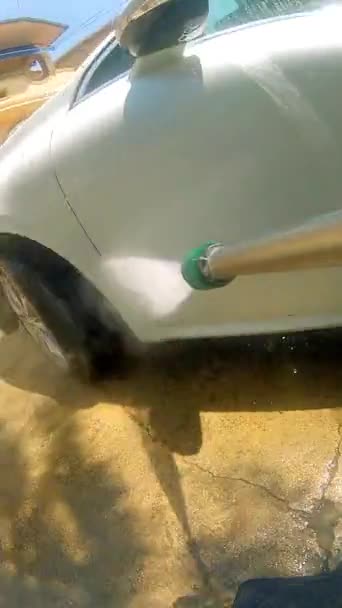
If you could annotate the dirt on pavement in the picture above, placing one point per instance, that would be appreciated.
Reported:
(210, 463)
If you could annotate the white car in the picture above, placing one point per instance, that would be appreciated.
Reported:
(233, 137)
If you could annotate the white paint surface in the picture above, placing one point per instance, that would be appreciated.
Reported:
(163, 160)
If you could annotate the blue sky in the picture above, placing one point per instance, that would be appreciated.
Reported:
(82, 16)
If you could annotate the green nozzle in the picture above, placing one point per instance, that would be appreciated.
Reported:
(191, 269)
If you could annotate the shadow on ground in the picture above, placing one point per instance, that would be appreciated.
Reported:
(168, 387)
(165, 393)
(64, 540)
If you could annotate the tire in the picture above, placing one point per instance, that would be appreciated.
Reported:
(8, 320)
(70, 335)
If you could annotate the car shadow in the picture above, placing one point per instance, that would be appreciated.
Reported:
(167, 386)
(171, 385)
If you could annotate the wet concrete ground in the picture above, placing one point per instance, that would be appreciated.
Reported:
(210, 463)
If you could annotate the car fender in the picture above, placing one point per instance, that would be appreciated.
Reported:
(32, 203)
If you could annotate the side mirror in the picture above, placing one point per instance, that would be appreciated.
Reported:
(147, 26)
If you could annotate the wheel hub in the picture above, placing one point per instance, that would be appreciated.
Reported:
(30, 319)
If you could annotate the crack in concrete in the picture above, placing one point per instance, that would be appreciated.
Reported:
(253, 484)
(333, 465)
(326, 515)
(144, 427)
(316, 518)
(322, 519)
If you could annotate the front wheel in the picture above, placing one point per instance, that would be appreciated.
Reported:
(56, 326)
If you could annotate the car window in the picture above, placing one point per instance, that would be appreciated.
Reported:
(223, 14)
(230, 13)
(113, 62)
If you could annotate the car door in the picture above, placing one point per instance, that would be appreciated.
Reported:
(234, 138)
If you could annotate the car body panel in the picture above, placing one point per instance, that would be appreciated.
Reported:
(32, 203)
(236, 138)
(232, 138)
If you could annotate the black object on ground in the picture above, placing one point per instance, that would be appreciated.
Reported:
(321, 591)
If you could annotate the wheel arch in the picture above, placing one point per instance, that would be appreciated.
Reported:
(31, 252)
(61, 275)
(56, 271)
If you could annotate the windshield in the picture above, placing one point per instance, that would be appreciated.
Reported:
(230, 13)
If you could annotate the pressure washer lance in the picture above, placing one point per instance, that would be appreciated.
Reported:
(316, 244)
